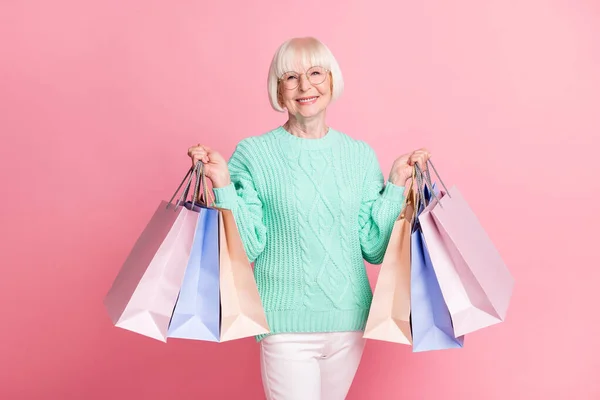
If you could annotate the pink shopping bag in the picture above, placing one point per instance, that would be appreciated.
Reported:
(475, 282)
(144, 292)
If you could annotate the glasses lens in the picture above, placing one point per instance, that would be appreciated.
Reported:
(290, 80)
(316, 75)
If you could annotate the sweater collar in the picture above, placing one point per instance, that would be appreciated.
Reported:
(306, 144)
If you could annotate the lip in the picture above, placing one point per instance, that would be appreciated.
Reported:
(307, 100)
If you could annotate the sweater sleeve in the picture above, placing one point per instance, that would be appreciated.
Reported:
(241, 197)
(380, 207)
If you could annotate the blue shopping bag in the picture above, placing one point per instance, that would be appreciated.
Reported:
(430, 318)
(197, 310)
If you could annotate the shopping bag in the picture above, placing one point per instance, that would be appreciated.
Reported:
(197, 310)
(242, 312)
(474, 280)
(389, 315)
(430, 318)
(142, 296)
(241, 309)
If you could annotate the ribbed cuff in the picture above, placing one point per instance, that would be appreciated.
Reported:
(226, 196)
(393, 192)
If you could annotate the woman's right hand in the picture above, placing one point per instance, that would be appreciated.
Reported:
(215, 166)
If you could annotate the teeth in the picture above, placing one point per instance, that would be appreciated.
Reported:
(306, 100)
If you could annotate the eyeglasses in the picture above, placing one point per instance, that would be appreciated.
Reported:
(315, 75)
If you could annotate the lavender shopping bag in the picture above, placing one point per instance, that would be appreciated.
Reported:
(219, 299)
(475, 282)
(430, 319)
(197, 311)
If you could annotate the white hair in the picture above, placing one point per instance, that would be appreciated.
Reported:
(301, 53)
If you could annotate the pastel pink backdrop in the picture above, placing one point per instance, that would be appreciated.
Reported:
(100, 101)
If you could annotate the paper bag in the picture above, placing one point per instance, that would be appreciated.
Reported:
(242, 312)
(197, 311)
(389, 316)
(475, 282)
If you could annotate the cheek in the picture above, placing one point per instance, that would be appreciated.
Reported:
(325, 89)
(290, 103)
(286, 98)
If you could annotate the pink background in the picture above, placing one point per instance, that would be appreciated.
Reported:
(99, 102)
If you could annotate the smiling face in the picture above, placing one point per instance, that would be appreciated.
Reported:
(305, 92)
(304, 78)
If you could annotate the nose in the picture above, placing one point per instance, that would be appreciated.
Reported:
(304, 83)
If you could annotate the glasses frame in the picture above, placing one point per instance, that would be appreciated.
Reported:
(280, 79)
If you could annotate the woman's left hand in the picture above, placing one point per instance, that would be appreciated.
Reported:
(402, 169)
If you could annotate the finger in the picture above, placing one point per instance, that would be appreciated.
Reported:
(200, 154)
(193, 149)
(418, 162)
(424, 152)
(198, 146)
(418, 155)
(411, 159)
(196, 160)
(415, 157)
(422, 161)
(213, 153)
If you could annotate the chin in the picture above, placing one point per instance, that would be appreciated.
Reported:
(311, 112)
(309, 115)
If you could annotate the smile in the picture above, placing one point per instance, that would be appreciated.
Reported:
(307, 100)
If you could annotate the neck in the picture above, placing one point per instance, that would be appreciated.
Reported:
(313, 128)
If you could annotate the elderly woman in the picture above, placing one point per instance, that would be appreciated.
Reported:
(310, 204)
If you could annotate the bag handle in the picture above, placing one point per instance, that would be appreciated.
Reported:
(426, 177)
(188, 177)
(411, 198)
(205, 193)
(198, 171)
(418, 174)
(200, 197)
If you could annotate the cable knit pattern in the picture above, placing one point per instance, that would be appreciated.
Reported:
(309, 211)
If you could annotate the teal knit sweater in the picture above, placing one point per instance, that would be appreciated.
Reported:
(309, 211)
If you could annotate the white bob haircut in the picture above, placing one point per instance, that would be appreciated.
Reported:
(299, 54)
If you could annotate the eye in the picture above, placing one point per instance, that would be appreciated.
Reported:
(291, 77)
(315, 73)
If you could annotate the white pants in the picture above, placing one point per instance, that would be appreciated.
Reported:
(310, 366)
